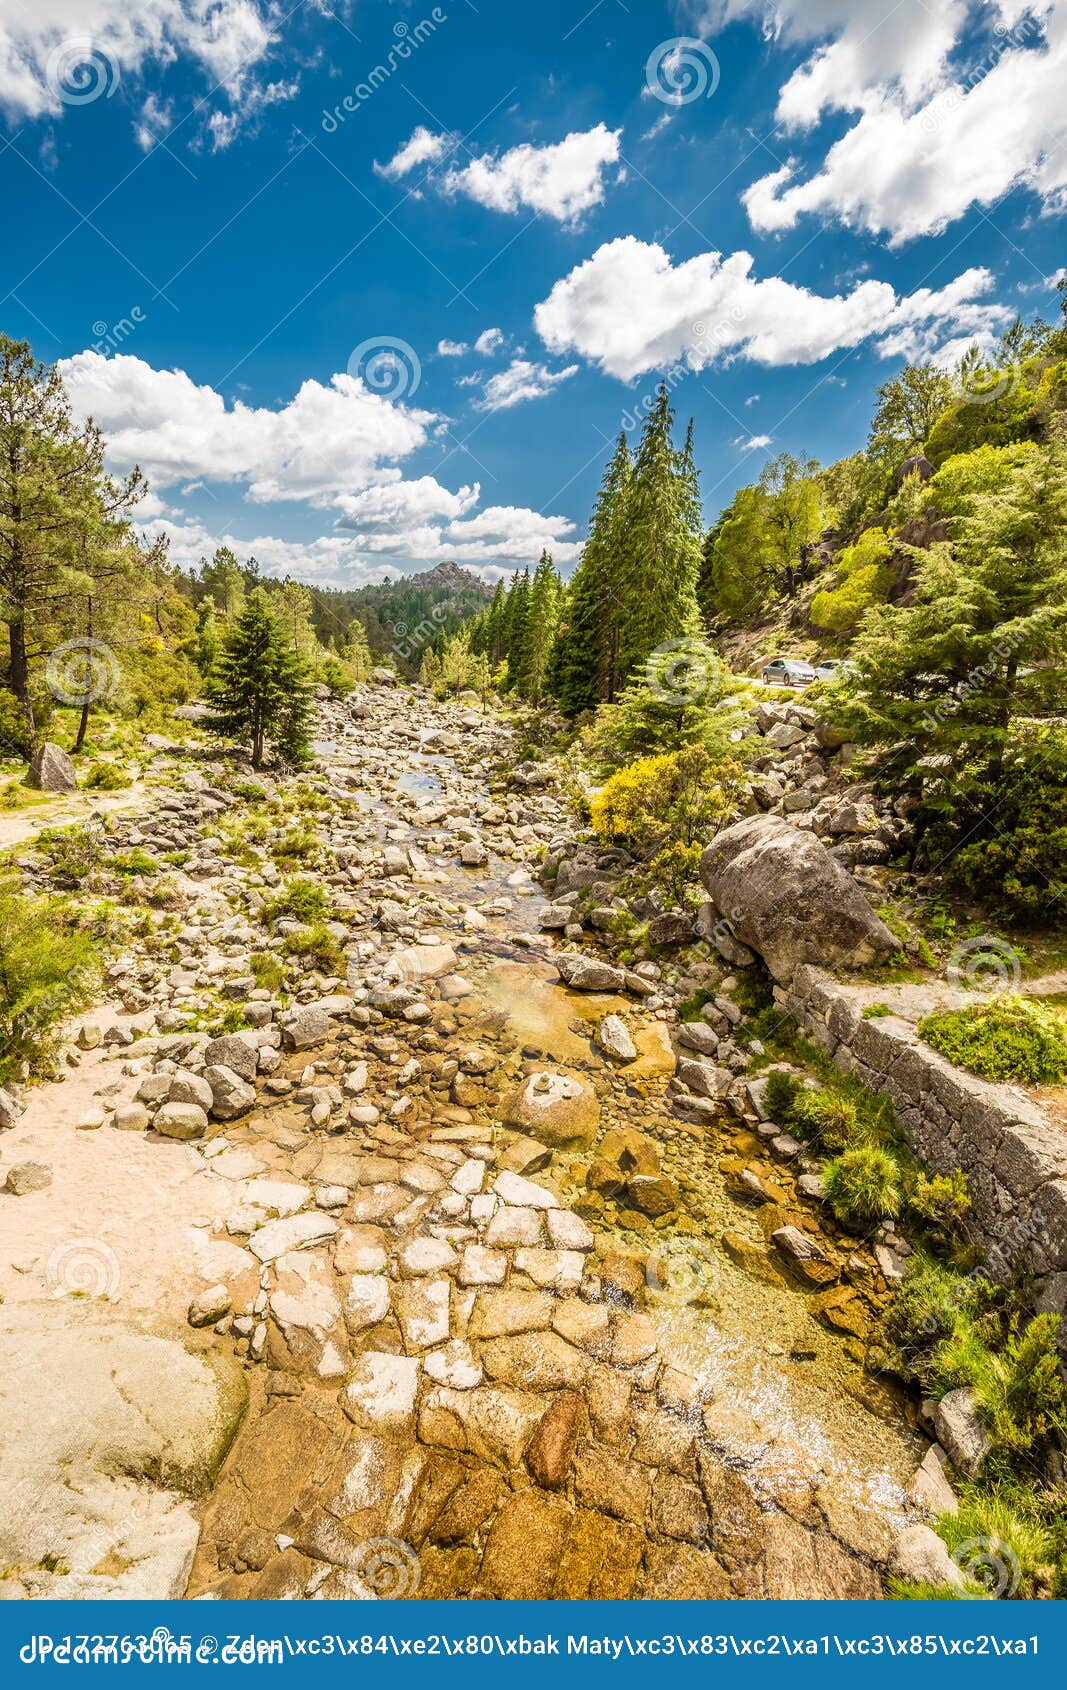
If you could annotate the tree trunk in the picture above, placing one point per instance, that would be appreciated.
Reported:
(87, 700)
(20, 677)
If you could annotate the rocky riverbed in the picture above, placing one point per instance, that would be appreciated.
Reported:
(523, 1300)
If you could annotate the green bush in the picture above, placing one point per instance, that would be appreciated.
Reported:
(930, 1304)
(318, 945)
(1017, 867)
(297, 845)
(1008, 1038)
(134, 863)
(48, 970)
(941, 1200)
(267, 971)
(106, 777)
(781, 1094)
(301, 900)
(864, 1184)
(74, 852)
(1007, 1547)
(864, 577)
(827, 1118)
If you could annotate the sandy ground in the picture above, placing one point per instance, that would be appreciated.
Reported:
(19, 826)
(126, 1215)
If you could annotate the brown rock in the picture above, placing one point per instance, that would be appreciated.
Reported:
(284, 1579)
(468, 1508)
(612, 1485)
(678, 1509)
(601, 1561)
(534, 1362)
(677, 1573)
(525, 1547)
(552, 1446)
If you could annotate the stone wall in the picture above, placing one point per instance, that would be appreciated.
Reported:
(1014, 1156)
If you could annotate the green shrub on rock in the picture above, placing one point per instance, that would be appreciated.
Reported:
(864, 1184)
(1008, 1038)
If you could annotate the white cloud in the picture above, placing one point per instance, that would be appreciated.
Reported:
(488, 342)
(59, 53)
(320, 444)
(333, 447)
(492, 543)
(561, 180)
(949, 112)
(753, 443)
(520, 381)
(421, 147)
(630, 309)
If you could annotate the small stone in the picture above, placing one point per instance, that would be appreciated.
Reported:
(181, 1120)
(614, 1039)
(25, 1177)
(381, 1391)
(209, 1306)
(919, 1556)
(131, 1118)
(960, 1432)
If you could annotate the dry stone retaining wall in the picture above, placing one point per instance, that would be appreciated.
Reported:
(1014, 1157)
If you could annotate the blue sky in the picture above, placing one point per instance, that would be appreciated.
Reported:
(364, 287)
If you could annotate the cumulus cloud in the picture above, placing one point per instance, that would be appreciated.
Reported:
(488, 342)
(333, 446)
(520, 381)
(949, 111)
(421, 147)
(561, 180)
(753, 443)
(630, 309)
(56, 53)
(492, 543)
(325, 440)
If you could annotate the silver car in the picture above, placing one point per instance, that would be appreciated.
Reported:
(787, 672)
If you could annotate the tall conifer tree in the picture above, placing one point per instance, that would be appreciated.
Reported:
(662, 550)
(585, 664)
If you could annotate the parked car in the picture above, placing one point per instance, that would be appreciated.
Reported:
(787, 672)
(829, 668)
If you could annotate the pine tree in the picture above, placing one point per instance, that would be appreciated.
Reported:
(662, 549)
(356, 651)
(493, 629)
(542, 619)
(584, 666)
(63, 520)
(518, 629)
(981, 643)
(259, 689)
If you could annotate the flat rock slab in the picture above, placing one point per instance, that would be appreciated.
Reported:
(98, 1411)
